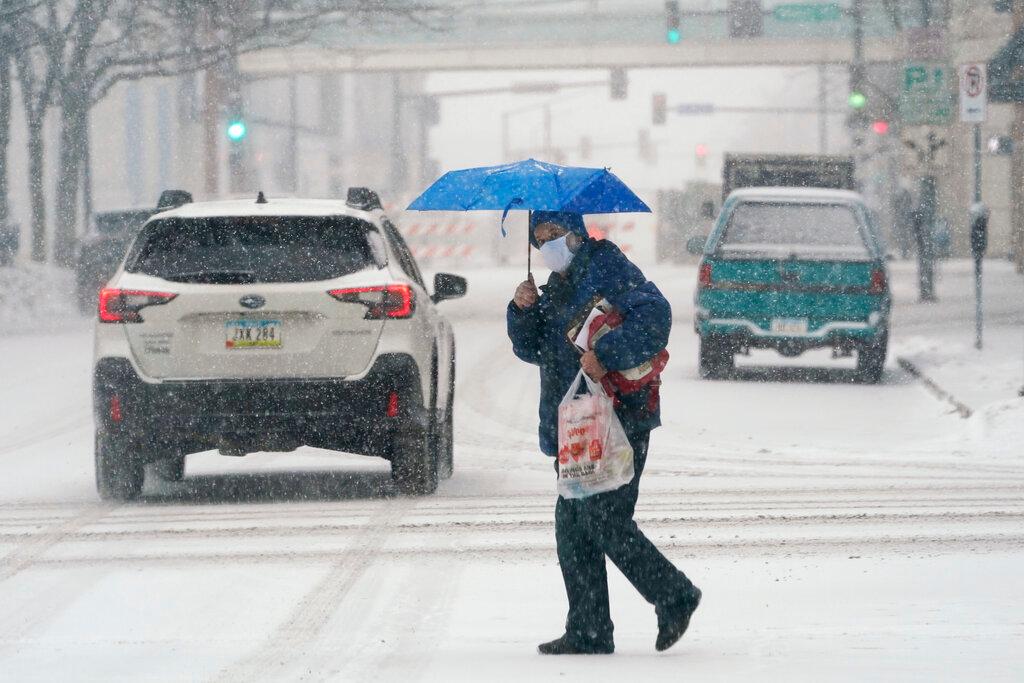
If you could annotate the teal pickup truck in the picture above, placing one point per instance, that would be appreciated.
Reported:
(792, 269)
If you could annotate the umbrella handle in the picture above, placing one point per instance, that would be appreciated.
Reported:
(529, 252)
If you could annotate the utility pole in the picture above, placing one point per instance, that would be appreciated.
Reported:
(822, 109)
(857, 72)
(293, 134)
(211, 131)
(547, 131)
(397, 169)
(1017, 161)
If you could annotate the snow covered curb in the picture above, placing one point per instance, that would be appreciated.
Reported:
(981, 386)
(964, 410)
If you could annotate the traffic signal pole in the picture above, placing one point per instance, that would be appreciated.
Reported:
(211, 131)
(977, 249)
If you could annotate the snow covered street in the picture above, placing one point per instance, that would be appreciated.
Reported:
(839, 531)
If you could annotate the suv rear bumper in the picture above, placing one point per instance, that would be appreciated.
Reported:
(246, 415)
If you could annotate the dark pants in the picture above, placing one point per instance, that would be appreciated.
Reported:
(588, 529)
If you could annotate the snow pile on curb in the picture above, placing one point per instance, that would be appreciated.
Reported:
(998, 428)
(987, 381)
(36, 298)
(977, 378)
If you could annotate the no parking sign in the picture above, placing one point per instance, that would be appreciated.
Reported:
(973, 93)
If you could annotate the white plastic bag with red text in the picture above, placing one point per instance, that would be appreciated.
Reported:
(594, 454)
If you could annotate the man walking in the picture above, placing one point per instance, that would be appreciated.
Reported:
(589, 529)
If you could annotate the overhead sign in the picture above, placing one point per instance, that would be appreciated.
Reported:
(808, 13)
(973, 93)
(926, 97)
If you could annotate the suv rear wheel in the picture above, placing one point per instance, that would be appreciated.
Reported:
(445, 442)
(119, 475)
(715, 358)
(414, 460)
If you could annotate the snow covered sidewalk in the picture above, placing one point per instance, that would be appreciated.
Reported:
(983, 385)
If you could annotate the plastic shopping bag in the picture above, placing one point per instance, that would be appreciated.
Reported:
(594, 454)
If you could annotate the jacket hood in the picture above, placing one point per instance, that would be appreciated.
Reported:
(573, 222)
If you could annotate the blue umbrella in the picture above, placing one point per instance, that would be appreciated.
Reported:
(530, 185)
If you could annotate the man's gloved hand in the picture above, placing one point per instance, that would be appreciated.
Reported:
(526, 294)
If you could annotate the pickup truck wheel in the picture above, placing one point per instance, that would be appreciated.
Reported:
(119, 474)
(715, 358)
(871, 360)
(171, 469)
(414, 460)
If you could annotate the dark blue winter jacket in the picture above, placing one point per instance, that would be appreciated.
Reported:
(539, 333)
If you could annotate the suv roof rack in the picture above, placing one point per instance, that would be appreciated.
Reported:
(363, 198)
(171, 199)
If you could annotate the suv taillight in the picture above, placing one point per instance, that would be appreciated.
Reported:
(704, 276)
(385, 301)
(878, 282)
(124, 305)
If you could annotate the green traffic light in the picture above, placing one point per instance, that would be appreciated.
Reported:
(673, 36)
(857, 100)
(236, 130)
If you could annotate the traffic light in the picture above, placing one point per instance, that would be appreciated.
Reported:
(857, 100)
(672, 33)
(237, 130)
(701, 153)
(880, 126)
(659, 109)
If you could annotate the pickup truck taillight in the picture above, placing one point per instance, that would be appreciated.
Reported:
(878, 282)
(125, 305)
(704, 276)
(383, 301)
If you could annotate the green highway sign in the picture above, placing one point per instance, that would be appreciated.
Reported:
(808, 12)
(926, 94)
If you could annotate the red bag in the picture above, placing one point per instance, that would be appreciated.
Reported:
(631, 380)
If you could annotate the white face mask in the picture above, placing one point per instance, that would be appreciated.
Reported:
(556, 254)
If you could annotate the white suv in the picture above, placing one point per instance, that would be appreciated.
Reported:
(266, 325)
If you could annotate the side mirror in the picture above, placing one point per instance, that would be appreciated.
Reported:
(695, 245)
(448, 286)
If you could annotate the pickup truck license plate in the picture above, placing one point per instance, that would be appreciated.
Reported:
(252, 334)
(789, 325)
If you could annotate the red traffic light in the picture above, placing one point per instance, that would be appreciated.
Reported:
(880, 127)
(701, 150)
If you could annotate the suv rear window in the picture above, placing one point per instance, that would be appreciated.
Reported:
(244, 249)
(794, 228)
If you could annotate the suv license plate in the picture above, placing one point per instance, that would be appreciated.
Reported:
(789, 325)
(252, 334)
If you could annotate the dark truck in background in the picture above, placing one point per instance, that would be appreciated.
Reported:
(681, 214)
(787, 170)
(101, 249)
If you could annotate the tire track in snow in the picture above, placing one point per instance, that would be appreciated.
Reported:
(515, 520)
(414, 608)
(35, 546)
(275, 654)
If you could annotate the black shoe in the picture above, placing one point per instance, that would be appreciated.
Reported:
(672, 627)
(564, 646)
